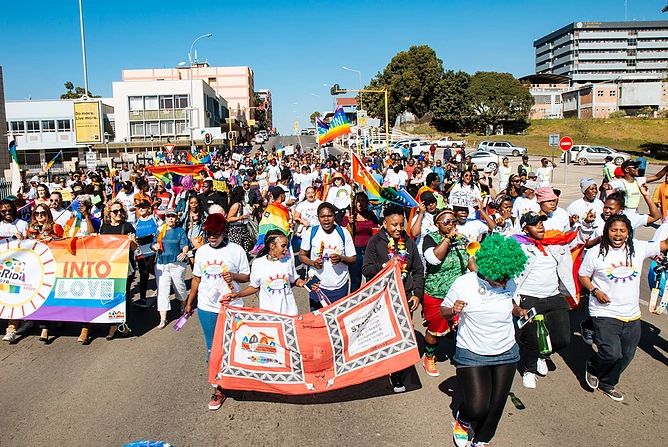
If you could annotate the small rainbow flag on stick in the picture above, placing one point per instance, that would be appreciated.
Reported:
(53, 160)
(397, 196)
(338, 127)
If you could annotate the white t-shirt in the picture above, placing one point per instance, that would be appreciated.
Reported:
(392, 178)
(544, 175)
(426, 228)
(208, 266)
(339, 196)
(472, 229)
(332, 276)
(61, 216)
(523, 205)
(486, 322)
(273, 172)
(304, 180)
(128, 201)
(619, 280)
(403, 177)
(543, 281)
(637, 221)
(559, 220)
(661, 233)
(274, 279)
(465, 195)
(309, 211)
(581, 207)
(11, 229)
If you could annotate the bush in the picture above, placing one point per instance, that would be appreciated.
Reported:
(618, 114)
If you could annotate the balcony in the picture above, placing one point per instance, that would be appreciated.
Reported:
(593, 45)
(652, 65)
(645, 44)
(543, 58)
(653, 55)
(617, 55)
(652, 34)
(136, 115)
(562, 40)
(595, 35)
(563, 50)
(180, 114)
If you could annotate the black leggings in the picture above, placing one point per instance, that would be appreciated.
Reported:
(555, 310)
(485, 390)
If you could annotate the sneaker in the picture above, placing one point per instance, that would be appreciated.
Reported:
(141, 302)
(217, 400)
(163, 324)
(590, 379)
(460, 432)
(587, 334)
(10, 337)
(397, 384)
(541, 366)
(529, 380)
(24, 327)
(613, 394)
(429, 364)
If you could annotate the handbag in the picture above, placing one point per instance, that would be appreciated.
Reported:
(253, 229)
(195, 241)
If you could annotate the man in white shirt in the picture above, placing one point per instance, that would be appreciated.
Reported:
(545, 172)
(273, 172)
(127, 197)
(60, 214)
(10, 225)
(304, 180)
(631, 183)
(403, 176)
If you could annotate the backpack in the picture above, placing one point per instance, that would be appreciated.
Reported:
(338, 230)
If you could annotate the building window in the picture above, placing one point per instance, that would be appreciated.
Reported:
(152, 128)
(613, 93)
(600, 93)
(64, 126)
(166, 127)
(136, 103)
(180, 101)
(17, 126)
(166, 102)
(48, 126)
(136, 129)
(211, 81)
(32, 126)
(151, 102)
(181, 128)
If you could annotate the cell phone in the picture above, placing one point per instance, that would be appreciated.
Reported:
(524, 320)
(311, 282)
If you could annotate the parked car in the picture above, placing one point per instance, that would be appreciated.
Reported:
(420, 146)
(484, 159)
(597, 154)
(502, 148)
(449, 142)
(573, 151)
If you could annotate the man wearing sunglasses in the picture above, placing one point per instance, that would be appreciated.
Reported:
(60, 214)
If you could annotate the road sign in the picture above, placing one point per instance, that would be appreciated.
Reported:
(91, 160)
(169, 148)
(554, 139)
(208, 138)
(361, 118)
(566, 143)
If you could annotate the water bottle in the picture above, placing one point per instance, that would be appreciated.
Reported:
(182, 321)
(544, 342)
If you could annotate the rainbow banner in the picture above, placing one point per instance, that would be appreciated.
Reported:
(44, 281)
(396, 196)
(192, 160)
(53, 160)
(165, 172)
(338, 127)
(275, 217)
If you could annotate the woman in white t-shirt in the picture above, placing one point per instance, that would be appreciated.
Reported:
(423, 222)
(465, 193)
(612, 271)
(486, 353)
(272, 275)
(218, 268)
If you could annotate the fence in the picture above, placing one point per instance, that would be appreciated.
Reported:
(5, 188)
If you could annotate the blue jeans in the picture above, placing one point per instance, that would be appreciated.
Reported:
(617, 342)
(333, 295)
(356, 269)
(208, 322)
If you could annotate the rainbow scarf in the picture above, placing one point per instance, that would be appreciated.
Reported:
(161, 236)
(338, 127)
(275, 217)
(396, 196)
(53, 160)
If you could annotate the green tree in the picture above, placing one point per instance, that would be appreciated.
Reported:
(75, 92)
(315, 115)
(451, 105)
(496, 98)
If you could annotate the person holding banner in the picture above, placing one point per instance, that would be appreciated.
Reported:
(42, 225)
(219, 267)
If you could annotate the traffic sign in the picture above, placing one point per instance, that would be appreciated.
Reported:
(169, 148)
(91, 160)
(566, 143)
(554, 139)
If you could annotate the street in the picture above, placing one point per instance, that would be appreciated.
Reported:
(153, 386)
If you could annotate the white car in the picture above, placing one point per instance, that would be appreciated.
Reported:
(484, 159)
(259, 139)
(418, 147)
(449, 142)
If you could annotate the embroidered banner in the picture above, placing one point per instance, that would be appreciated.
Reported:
(363, 336)
(44, 281)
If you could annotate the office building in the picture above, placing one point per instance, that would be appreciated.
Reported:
(590, 52)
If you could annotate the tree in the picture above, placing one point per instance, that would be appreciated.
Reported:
(497, 98)
(451, 106)
(315, 115)
(77, 93)
(411, 78)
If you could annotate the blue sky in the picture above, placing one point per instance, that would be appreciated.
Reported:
(293, 47)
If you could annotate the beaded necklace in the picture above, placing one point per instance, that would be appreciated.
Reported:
(399, 251)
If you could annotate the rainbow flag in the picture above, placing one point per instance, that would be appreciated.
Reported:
(161, 236)
(53, 160)
(338, 127)
(165, 172)
(16, 172)
(398, 197)
(275, 217)
(191, 159)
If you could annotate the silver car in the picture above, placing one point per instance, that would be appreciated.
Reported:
(597, 154)
(502, 148)
(484, 159)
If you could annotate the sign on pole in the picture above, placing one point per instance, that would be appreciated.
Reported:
(566, 144)
(91, 160)
(362, 118)
(88, 121)
(554, 139)
(169, 148)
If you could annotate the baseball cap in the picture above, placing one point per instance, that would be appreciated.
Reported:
(531, 218)
(532, 175)
(127, 184)
(530, 184)
(171, 212)
(628, 163)
(545, 194)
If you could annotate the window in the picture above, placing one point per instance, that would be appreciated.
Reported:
(211, 81)
(600, 93)
(64, 126)
(48, 126)
(136, 129)
(180, 102)
(152, 128)
(136, 103)
(613, 93)
(166, 127)
(151, 102)
(32, 126)
(181, 128)
(17, 126)
(166, 102)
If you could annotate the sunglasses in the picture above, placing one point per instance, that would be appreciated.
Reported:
(516, 181)
(40, 213)
(210, 234)
(115, 211)
(171, 216)
(446, 221)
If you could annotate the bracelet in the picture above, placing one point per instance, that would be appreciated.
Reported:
(593, 291)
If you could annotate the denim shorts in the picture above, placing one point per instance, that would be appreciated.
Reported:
(464, 357)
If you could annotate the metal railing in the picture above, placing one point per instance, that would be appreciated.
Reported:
(5, 188)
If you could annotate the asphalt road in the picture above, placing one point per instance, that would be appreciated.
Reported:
(153, 386)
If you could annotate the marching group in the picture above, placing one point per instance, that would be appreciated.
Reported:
(483, 249)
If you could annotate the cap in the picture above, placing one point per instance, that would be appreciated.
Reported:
(539, 317)
(532, 175)
(171, 211)
(545, 194)
(127, 184)
(530, 184)
(427, 196)
(628, 163)
(608, 158)
(586, 183)
(34, 178)
(215, 223)
(531, 218)
(277, 190)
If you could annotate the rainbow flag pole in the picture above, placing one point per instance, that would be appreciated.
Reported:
(339, 126)
(53, 160)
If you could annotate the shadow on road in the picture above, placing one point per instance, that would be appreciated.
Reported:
(650, 340)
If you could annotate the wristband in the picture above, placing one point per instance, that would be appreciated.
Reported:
(593, 292)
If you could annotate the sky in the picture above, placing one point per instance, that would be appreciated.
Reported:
(293, 47)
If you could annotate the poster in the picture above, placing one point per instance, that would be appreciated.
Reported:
(88, 121)
(365, 335)
(44, 281)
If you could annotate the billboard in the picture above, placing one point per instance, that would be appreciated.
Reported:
(88, 121)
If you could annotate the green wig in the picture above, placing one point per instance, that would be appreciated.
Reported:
(500, 258)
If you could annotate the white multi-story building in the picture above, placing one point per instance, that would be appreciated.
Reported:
(4, 150)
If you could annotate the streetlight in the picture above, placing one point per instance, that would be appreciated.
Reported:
(360, 76)
(192, 102)
(106, 141)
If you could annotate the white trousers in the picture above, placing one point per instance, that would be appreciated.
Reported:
(165, 276)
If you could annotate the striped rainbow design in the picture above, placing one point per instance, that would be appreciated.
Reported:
(165, 172)
(275, 217)
(338, 127)
(362, 176)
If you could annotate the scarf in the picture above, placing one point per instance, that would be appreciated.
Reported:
(552, 237)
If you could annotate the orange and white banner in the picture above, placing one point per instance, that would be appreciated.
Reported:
(363, 336)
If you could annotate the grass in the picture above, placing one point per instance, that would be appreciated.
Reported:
(633, 135)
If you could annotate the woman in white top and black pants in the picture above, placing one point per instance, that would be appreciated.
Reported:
(486, 353)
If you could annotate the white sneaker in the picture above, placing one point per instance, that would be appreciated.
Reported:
(24, 327)
(10, 336)
(541, 367)
(529, 380)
